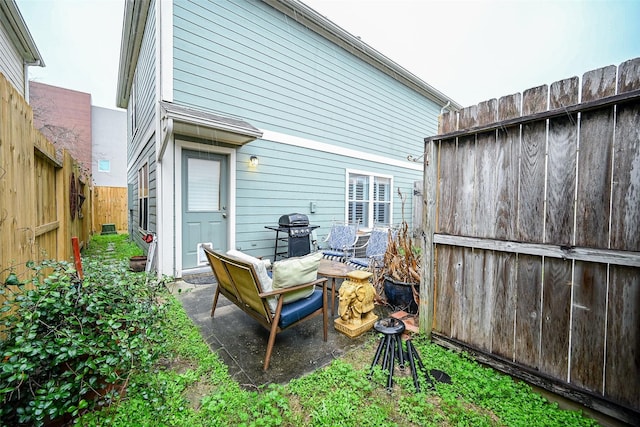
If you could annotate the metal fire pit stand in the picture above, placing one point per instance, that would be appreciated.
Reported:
(391, 349)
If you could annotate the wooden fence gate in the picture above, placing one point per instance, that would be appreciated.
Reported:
(533, 213)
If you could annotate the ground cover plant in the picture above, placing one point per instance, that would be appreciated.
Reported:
(183, 383)
(70, 344)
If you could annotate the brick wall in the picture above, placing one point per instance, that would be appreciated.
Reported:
(64, 117)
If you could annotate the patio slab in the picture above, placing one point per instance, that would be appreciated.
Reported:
(242, 342)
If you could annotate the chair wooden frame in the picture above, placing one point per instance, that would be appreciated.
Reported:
(239, 283)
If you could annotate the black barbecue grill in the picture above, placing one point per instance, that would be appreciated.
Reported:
(294, 229)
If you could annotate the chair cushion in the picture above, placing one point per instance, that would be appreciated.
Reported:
(260, 266)
(301, 308)
(333, 255)
(296, 271)
(359, 263)
(342, 236)
(377, 243)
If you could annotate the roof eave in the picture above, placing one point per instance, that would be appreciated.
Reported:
(307, 16)
(134, 21)
(20, 35)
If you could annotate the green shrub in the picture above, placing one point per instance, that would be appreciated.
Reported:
(72, 344)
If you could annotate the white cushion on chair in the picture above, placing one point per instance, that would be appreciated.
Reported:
(260, 266)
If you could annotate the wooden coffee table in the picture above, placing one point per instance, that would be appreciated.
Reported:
(333, 270)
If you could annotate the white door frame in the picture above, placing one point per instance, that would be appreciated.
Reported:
(177, 197)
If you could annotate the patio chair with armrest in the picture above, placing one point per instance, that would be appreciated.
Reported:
(375, 248)
(341, 242)
(240, 281)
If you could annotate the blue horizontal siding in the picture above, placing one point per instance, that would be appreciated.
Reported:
(246, 59)
(287, 179)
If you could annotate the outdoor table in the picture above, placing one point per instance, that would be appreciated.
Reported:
(333, 270)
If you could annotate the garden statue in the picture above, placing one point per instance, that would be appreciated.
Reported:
(356, 305)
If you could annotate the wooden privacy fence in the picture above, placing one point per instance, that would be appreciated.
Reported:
(44, 200)
(110, 207)
(532, 207)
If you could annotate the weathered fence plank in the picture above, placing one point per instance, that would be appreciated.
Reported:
(528, 311)
(504, 306)
(464, 199)
(561, 160)
(458, 324)
(485, 173)
(594, 161)
(447, 187)
(588, 325)
(532, 162)
(556, 309)
(623, 337)
(603, 256)
(448, 122)
(444, 290)
(486, 270)
(507, 164)
(625, 227)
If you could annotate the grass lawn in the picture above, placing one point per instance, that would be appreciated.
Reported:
(190, 386)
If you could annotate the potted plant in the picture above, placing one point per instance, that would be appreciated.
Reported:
(397, 280)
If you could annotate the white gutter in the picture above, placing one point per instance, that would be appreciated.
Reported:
(20, 35)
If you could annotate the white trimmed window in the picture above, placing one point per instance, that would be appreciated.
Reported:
(369, 199)
(143, 197)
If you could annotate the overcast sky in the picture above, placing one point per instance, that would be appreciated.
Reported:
(469, 50)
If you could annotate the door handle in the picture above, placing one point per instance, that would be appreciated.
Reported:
(224, 215)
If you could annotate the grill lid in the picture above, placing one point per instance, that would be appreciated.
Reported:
(293, 220)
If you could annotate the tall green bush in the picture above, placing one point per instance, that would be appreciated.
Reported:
(72, 344)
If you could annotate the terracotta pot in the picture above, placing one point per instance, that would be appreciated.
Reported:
(138, 263)
(400, 295)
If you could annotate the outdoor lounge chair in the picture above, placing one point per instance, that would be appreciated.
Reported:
(341, 242)
(375, 248)
(239, 281)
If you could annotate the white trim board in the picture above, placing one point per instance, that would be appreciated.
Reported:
(283, 138)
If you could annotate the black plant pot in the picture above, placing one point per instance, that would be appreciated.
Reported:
(400, 295)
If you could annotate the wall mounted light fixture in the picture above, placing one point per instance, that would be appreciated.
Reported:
(253, 161)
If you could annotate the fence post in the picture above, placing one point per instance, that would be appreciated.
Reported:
(428, 227)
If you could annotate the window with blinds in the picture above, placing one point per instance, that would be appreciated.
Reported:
(369, 199)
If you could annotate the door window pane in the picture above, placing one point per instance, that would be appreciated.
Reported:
(203, 185)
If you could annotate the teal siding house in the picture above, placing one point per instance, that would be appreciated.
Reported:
(241, 111)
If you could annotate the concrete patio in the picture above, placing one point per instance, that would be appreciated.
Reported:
(241, 341)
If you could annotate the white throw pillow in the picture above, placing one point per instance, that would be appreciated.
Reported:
(296, 271)
(261, 270)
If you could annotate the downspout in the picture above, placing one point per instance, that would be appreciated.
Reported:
(168, 130)
(25, 73)
(445, 107)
